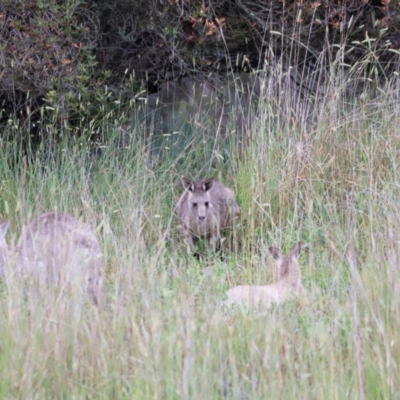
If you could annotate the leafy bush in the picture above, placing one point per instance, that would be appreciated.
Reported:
(47, 59)
(81, 58)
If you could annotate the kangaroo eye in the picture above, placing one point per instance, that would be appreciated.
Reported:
(194, 204)
(206, 204)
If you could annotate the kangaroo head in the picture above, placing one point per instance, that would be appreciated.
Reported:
(199, 198)
(288, 266)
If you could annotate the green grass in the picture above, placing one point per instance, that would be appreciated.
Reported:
(162, 334)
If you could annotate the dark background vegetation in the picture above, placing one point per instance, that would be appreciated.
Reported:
(66, 63)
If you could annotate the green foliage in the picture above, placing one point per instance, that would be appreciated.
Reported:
(45, 44)
(66, 65)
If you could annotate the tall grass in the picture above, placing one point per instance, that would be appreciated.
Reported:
(333, 185)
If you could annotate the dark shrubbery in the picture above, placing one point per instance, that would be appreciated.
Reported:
(46, 59)
(66, 63)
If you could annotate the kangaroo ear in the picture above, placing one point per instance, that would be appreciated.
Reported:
(208, 185)
(276, 253)
(187, 184)
(295, 252)
(3, 229)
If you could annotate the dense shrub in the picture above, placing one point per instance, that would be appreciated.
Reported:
(67, 63)
(46, 58)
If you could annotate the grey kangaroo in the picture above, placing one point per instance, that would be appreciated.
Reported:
(56, 249)
(204, 210)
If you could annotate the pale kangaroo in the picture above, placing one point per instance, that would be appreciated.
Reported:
(288, 283)
(205, 208)
(58, 249)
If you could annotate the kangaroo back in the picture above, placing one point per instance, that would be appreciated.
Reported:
(57, 248)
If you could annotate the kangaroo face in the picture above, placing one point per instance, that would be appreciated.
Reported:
(199, 198)
(288, 266)
(199, 203)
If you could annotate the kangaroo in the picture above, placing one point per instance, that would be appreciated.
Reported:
(288, 284)
(58, 249)
(205, 208)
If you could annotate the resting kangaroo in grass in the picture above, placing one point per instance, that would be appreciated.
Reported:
(205, 208)
(288, 284)
(57, 249)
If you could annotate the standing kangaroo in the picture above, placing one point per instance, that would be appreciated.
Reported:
(58, 249)
(288, 283)
(205, 208)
